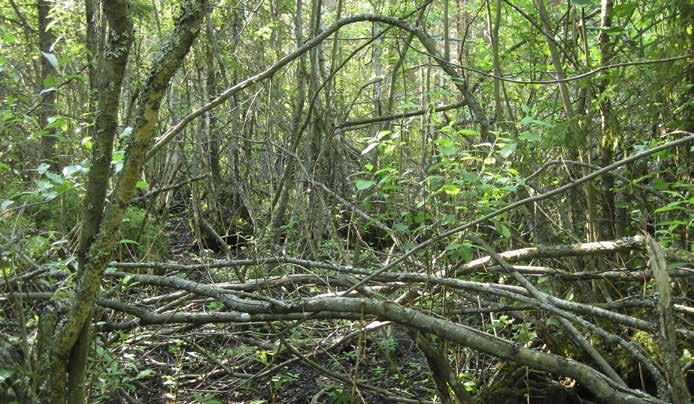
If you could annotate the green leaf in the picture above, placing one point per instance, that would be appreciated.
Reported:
(450, 189)
(673, 223)
(401, 227)
(383, 133)
(51, 59)
(144, 373)
(614, 31)
(69, 171)
(8, 37)
(368, 148)
(49, 82)
(42, 168)
(623, 10)
(420, 217)
(508, 150)
(449, 150)
(56, 178)
(128, 241)
(530, 121)
(87, 143)
(503, 230)
(126, 132)
(669, 207)
(5, 374)
(50, 196)
(529, 136)
(446, 146)
(142, 184)
(469, 132)
(460, 251)
(57, 121)
(364, 184)
(660, 184)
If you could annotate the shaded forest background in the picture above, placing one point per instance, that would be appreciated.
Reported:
(346, 201)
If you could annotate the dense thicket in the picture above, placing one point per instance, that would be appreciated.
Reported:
(345, 201)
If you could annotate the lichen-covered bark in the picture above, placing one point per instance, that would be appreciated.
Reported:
(589, 377)
(281, 198)
(609, 227)
(356, 308)
(83, 295)
(108, 87)
(667, 335)
(580, 249)
(444, 376)
(105, 82)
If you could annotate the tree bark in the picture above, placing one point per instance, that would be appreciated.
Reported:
(444, 376)
(679, 394)
(48, 90)
(607, 129)
(80, 300)
(107, 79)
(281, 199)
(494, 23)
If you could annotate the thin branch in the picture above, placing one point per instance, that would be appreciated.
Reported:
(531, 199)
(367, 121)
(156, 192)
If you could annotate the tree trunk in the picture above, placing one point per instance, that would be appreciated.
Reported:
(48, 83)
(107, 81)
(607, 126)
(281, 199)
(74, 307)
(494, 22)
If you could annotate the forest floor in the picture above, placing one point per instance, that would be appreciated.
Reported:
(218, 363)
(202, 380)
(214, 362)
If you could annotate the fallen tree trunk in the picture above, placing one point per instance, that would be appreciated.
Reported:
(356, 308)
(555, 251)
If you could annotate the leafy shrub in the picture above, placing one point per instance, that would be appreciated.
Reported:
(50, 200)
(141, 237)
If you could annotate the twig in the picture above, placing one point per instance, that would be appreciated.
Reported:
(156, 192)
(531, 199)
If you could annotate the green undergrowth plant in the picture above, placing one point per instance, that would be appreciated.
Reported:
(141, 237)
(111, 373)
(51, 202)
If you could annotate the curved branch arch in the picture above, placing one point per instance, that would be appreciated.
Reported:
(424, 38)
